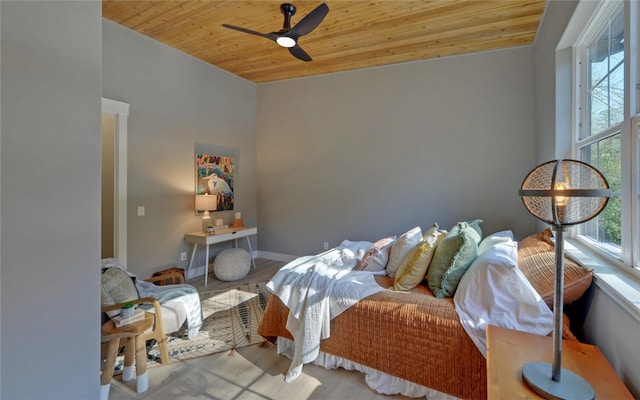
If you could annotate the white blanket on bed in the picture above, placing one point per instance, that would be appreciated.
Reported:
(494, 291)
(317, 289)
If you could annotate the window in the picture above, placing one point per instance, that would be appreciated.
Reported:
(605, 125)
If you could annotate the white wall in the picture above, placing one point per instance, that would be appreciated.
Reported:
(369, 153)
(50, 184)
(179, 106)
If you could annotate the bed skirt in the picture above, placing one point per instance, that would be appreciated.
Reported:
(376, 380)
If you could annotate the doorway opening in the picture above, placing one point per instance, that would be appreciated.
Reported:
(114, 179)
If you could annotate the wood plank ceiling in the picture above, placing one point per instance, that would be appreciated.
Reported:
(355, 34)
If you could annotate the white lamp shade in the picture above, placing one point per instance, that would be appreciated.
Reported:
(206, 202)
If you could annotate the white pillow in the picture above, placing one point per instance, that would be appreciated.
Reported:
(494, 291)
(376, 257)
(401, 248)
(494, 238)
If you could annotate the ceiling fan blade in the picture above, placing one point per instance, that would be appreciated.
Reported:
(310, 21)
(270, 36)
(297, 52)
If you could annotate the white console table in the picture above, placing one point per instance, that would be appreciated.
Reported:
(203, 239)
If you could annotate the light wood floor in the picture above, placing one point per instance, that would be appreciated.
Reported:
(251, 373)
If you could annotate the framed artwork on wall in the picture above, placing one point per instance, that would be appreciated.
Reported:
(215, 176)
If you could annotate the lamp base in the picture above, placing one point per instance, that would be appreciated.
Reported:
(571, 386)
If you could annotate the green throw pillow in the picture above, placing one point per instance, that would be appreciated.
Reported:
(452, 258)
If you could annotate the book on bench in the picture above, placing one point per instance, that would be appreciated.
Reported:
(138, 315)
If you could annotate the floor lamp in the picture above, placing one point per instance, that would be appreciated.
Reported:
(561, 193)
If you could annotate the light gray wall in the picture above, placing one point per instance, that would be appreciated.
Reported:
(553, 80)
(364, 154)
(179, 106)
(612, 329)
(50, 184)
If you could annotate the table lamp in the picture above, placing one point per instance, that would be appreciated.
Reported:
(206, 203)
(561, 193)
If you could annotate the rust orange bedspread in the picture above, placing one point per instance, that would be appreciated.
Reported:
(410, 335)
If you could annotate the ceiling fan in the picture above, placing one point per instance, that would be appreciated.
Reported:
(288, 36)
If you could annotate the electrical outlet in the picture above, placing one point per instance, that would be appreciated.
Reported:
(326, 245)
(183, 256)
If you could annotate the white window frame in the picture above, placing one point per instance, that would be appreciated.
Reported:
(635, 187)
(629, 128)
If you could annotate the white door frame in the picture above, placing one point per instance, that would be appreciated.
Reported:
(121, 112)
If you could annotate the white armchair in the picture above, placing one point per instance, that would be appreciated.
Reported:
(173, 305)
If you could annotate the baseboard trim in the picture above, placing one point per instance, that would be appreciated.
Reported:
(275, 256)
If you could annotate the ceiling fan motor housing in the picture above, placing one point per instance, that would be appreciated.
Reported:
(288, 9)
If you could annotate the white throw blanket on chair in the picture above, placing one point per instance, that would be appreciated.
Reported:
(317, 289)
(182, 293)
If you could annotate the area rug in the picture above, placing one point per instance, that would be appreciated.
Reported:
(230, 321)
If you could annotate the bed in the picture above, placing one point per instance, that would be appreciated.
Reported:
(411, 341)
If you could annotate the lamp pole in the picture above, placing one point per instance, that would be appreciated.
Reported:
(558, 299)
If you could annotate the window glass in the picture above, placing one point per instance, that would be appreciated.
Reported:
(605, 77)
(606, 228)
(603, 125)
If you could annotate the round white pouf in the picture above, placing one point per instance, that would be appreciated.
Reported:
(232, 264)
